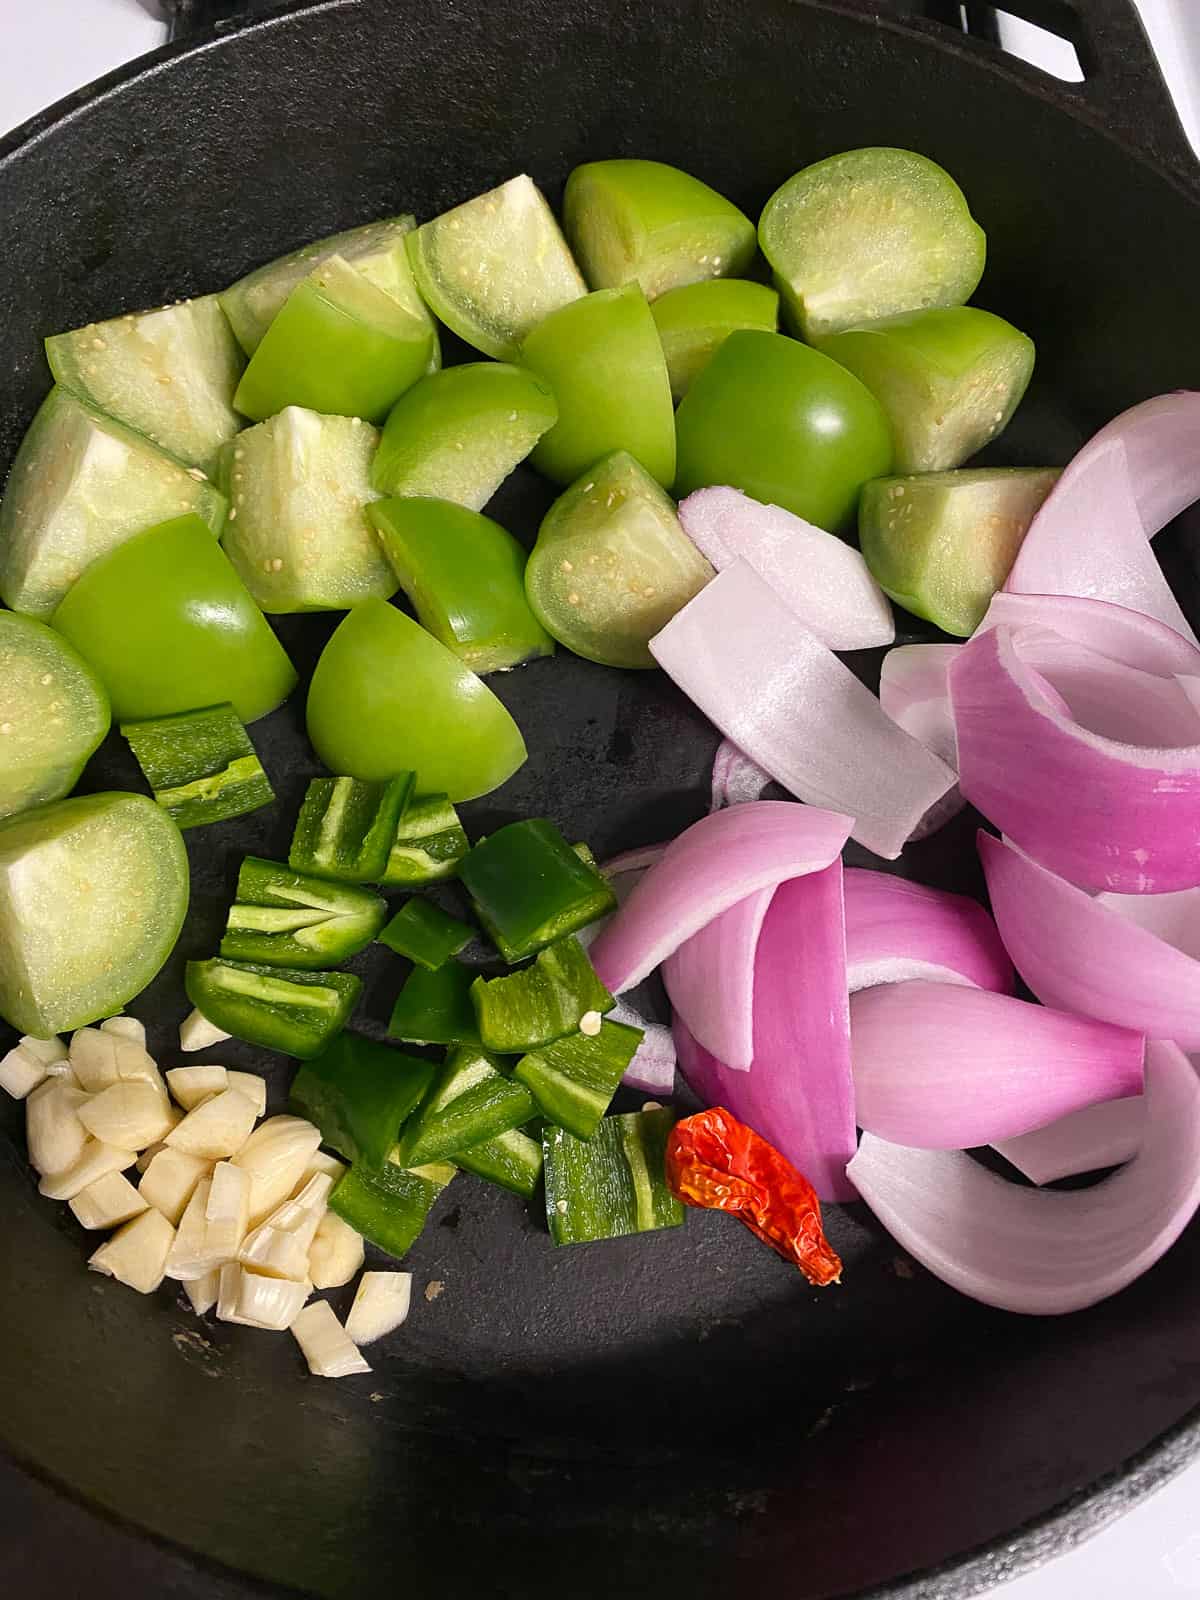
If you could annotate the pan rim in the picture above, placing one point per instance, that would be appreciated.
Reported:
(1096, 1505)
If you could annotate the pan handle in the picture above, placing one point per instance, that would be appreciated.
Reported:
(1122, 91)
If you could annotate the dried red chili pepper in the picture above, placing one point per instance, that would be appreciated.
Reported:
(717, 1163)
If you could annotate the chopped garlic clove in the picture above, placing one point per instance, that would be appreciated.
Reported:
(107, 1202)
(380, 1305)
(130, 1115)
(321, 1163)
(196, 1032)
(47, 1051)
(269, 1302)
(148, 1155)
(137, 1253)
(229, 1282)
(95, 1160)
(93, 1057)
(327, 1348)
(202, 1292)
(186, 1260)
(252, 1086)
(169, 1181)
(136, 1065)
(226, 1212)
(278, 1247)
(20, 1073)
(54, 1135)
(276, 1155)
(125, 1028)
(336, 1253)
(193, 1085)
(216, 1129)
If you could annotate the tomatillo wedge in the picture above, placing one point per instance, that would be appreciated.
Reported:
(693, 323)
(376, 250)
(166, 624)
(870, 233)
(338, 345)
(612, 565)
(949, 381)
(82, 484)
(170, 373)
(493, 268)
(387, 697)
(645, 222)
(298, 488)
(604, 361)
(465, 577)
(942, 544)
(53, 713)
(784, 424)
(458, 434)
(93, 893)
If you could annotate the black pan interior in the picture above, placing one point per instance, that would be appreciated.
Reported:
(672, 1414)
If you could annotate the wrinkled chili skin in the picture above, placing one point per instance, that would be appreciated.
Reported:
(716, 1163)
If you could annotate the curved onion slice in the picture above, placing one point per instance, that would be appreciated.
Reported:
(635, 860)
(1079, 954)
(798, 1093)
(652, 1069)
(914, 690)
(1041, 1251)
(735, 778)
(711, 866)
(710, 980)
(772, 687)
(1126, 636)
(1089, 539)
(944, 1066)
(1099, 812)
(1100, 1136)
(1162, 446)
(823, 580)
(897, 931)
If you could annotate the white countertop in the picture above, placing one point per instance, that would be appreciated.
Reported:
(54, 46)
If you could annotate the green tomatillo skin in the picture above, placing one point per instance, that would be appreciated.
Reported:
(942, 544)
(694, 322)
(465, 577)
(784, 424)
(387, 697)
(612, 565)
(867, 234)
(649, 223)
(167, 625)
(948, 380)
(53, 714)
(603, 359)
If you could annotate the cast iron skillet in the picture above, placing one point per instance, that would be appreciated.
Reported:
(675, 1414)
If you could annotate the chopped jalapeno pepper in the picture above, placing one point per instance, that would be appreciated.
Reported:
(200, 764)
(612, 1185)
(574, 1079)
(513, 1160)
(529, 888)
(465, 576)
(426, 934)
(359, 1093)
(716, 1163)
(541, 1003)
(388, 1205)
(346, 827)
(284, 918)
(296, 1012)
(429, 844)
(435, 1007)
(469, 1102)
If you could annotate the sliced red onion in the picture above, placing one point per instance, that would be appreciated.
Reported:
(1162, 446)
(711, 866)
(636, 860)
(944, 1066)
(1089, 539)
(652, 1069)
(823, 580)
(1100, 1136)
(1173, 918)
(897, 931)
(1081, 955)
(710, 980)
(772, 687)
(735, 778)
(1126, 636)
(914, 690)
(798, 1093)
(1039, 1251)
(1100, 812)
